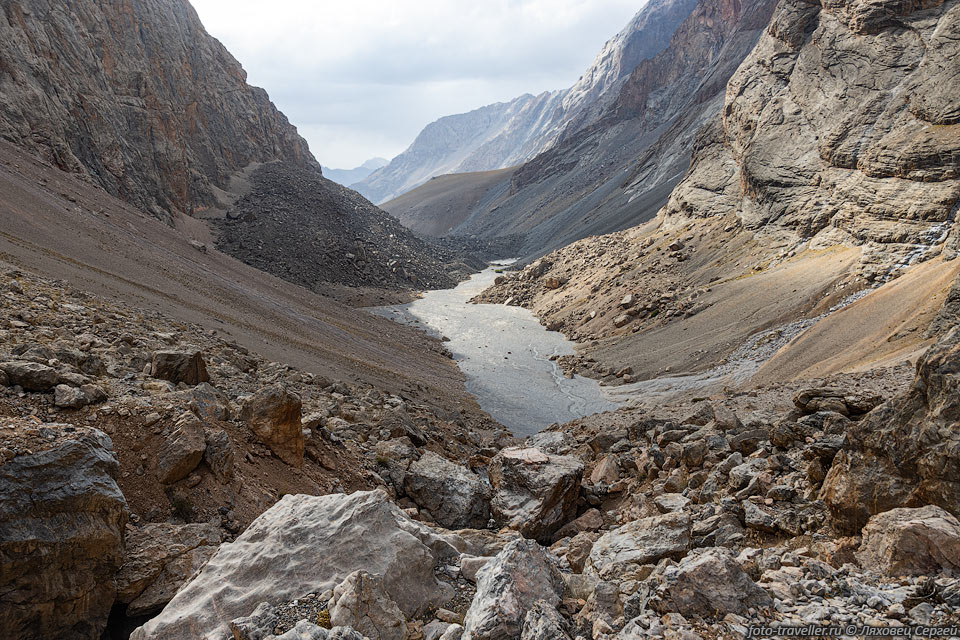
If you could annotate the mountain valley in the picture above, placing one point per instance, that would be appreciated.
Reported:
(737, 231)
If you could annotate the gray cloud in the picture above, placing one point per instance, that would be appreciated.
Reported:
(361, 79)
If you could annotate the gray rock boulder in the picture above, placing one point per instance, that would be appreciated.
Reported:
(911, 542)
(273, 414)
(62, 520)
(209, 403)
(305, 630)
(543, 622)
(160, 558)
(182, 450)
(68, 397)
(187, 367)
(308, 544)
(256, 626)
(707, 583)
(219, 454)
(508, 588)
(639, 542)
(534, 493)
(455, 496)
(361, 602)
(30, 375)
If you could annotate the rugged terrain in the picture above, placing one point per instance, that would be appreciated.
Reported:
(773, 224)
(193, 448)
(138, 99)
(308, 230)
(509, 133)
(214, 494)
(617, 169)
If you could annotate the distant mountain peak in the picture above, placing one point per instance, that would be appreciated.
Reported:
(506, 134)
(375, 163)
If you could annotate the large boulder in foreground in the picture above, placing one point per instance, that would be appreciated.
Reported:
(273, 414)
(508, 588)
(640, 542)
(707, 583)
(456, 497)
(911, 542)
(308, 544)
(535, 493)
(906, 452)
(62, 519)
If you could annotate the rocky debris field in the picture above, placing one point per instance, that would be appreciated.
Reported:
(215, 495)
(308, 230)
(200, 435)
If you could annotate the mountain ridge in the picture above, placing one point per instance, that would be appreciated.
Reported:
(509, 133)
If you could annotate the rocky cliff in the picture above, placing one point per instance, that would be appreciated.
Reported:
(507, 134)
(840, 129)
(830, 168)
(137, 98)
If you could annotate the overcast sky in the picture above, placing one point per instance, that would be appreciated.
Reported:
(361, 78)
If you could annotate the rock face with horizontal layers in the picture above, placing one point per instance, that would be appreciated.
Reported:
(62, 520)
(273, 414)
(508, 588)
(906, 452)
(534, 492)
(147, 104)
(867, 157)
(308, 544)
(911, 542)
(456, 497)
(161, 558)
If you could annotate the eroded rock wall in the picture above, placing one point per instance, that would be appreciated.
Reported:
(137, 97)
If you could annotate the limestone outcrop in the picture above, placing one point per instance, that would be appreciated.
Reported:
(308, 544)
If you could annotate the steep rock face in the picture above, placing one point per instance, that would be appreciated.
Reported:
(138, 98)
(509, 133)
(62, 520)
(906, 452)
(838, 129)
(616, 168)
